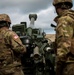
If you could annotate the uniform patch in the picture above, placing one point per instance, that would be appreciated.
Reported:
(15, 37)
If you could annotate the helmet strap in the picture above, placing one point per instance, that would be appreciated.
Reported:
(8, 24)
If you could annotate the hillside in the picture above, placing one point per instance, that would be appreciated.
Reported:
(51, 37)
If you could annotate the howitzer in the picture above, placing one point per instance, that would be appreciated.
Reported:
(39, 58)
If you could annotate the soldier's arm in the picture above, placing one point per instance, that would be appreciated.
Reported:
(16, 43)
(64, 35)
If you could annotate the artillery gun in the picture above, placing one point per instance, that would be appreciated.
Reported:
(39, 58)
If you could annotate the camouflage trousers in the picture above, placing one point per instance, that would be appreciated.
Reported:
(68, 69)
(65, 69)
(10, 70)
(59, 68)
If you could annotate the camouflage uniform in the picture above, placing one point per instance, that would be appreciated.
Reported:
(64, 41)
(64, 35)
(11, 49)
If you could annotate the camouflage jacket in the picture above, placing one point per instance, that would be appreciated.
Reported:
(65, 32)
(10, 46)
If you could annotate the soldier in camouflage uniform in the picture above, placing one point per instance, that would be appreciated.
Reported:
(11, 49)
(64, 37)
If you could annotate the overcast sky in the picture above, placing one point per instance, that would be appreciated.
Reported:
(19, 11)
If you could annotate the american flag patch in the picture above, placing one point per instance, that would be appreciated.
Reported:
(15, 36)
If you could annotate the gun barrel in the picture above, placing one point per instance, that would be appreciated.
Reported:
(32, 21)
(36, 53)
(32, 18)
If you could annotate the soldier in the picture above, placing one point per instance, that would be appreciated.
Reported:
(11, 49)
(64, 37)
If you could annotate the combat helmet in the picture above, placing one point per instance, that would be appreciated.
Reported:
(5, 18)
(68, 2)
